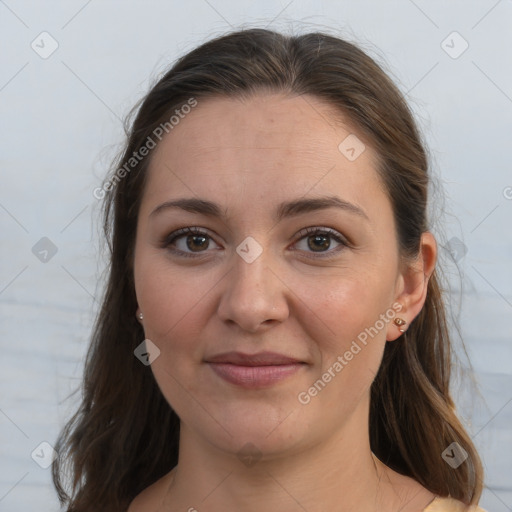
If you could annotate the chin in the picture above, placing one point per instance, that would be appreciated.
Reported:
(269, 432)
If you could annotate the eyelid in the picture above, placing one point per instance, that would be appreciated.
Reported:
(331, 232)
(303, 233)
(189, 230)
(324, 229)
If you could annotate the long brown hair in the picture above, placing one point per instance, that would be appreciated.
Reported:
(125, 435)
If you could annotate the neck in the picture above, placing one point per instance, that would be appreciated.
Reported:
(339, 473)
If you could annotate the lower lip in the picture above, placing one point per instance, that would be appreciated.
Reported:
(254, 376)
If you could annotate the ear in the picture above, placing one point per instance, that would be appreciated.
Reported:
(412, 283)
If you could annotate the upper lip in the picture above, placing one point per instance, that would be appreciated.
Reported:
(259, 359)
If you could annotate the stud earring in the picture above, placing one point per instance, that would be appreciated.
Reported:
(399, 322)
(141, 316)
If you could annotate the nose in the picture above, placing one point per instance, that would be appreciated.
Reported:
(254, 296)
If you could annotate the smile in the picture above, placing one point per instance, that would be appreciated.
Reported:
(252, 377)
(252, 371)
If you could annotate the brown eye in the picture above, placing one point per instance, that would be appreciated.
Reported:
(197, 242)
(319, 240)
(187, 241)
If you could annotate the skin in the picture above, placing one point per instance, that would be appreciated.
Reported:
(248, 156)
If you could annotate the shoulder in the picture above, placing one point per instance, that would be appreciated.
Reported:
(450, 505)
(151, 497)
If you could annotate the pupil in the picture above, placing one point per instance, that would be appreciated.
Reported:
(192, 247)
(324, 245)
(321, 239)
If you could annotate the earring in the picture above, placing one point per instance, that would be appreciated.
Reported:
(141, 316)
(399, 322)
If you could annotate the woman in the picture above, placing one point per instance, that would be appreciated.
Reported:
(273, 334)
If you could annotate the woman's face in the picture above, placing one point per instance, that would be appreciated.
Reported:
(254, 280)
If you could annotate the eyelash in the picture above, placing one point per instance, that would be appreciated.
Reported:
(175, 235)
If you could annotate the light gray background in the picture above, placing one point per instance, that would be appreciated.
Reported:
(61, 126)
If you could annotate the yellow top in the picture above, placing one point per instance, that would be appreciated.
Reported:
(450, 505)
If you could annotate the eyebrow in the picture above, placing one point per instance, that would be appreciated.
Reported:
(284, 210)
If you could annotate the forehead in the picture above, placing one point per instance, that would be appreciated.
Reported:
(267, 149)
(269, 122)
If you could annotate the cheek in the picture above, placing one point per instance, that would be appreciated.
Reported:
(174, 308)
(167, 297)
(350, 312)
(350, 305)
(177, 303)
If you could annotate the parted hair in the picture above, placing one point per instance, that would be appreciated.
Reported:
(124, 435)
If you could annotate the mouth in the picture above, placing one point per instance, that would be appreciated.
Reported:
(254, 371)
